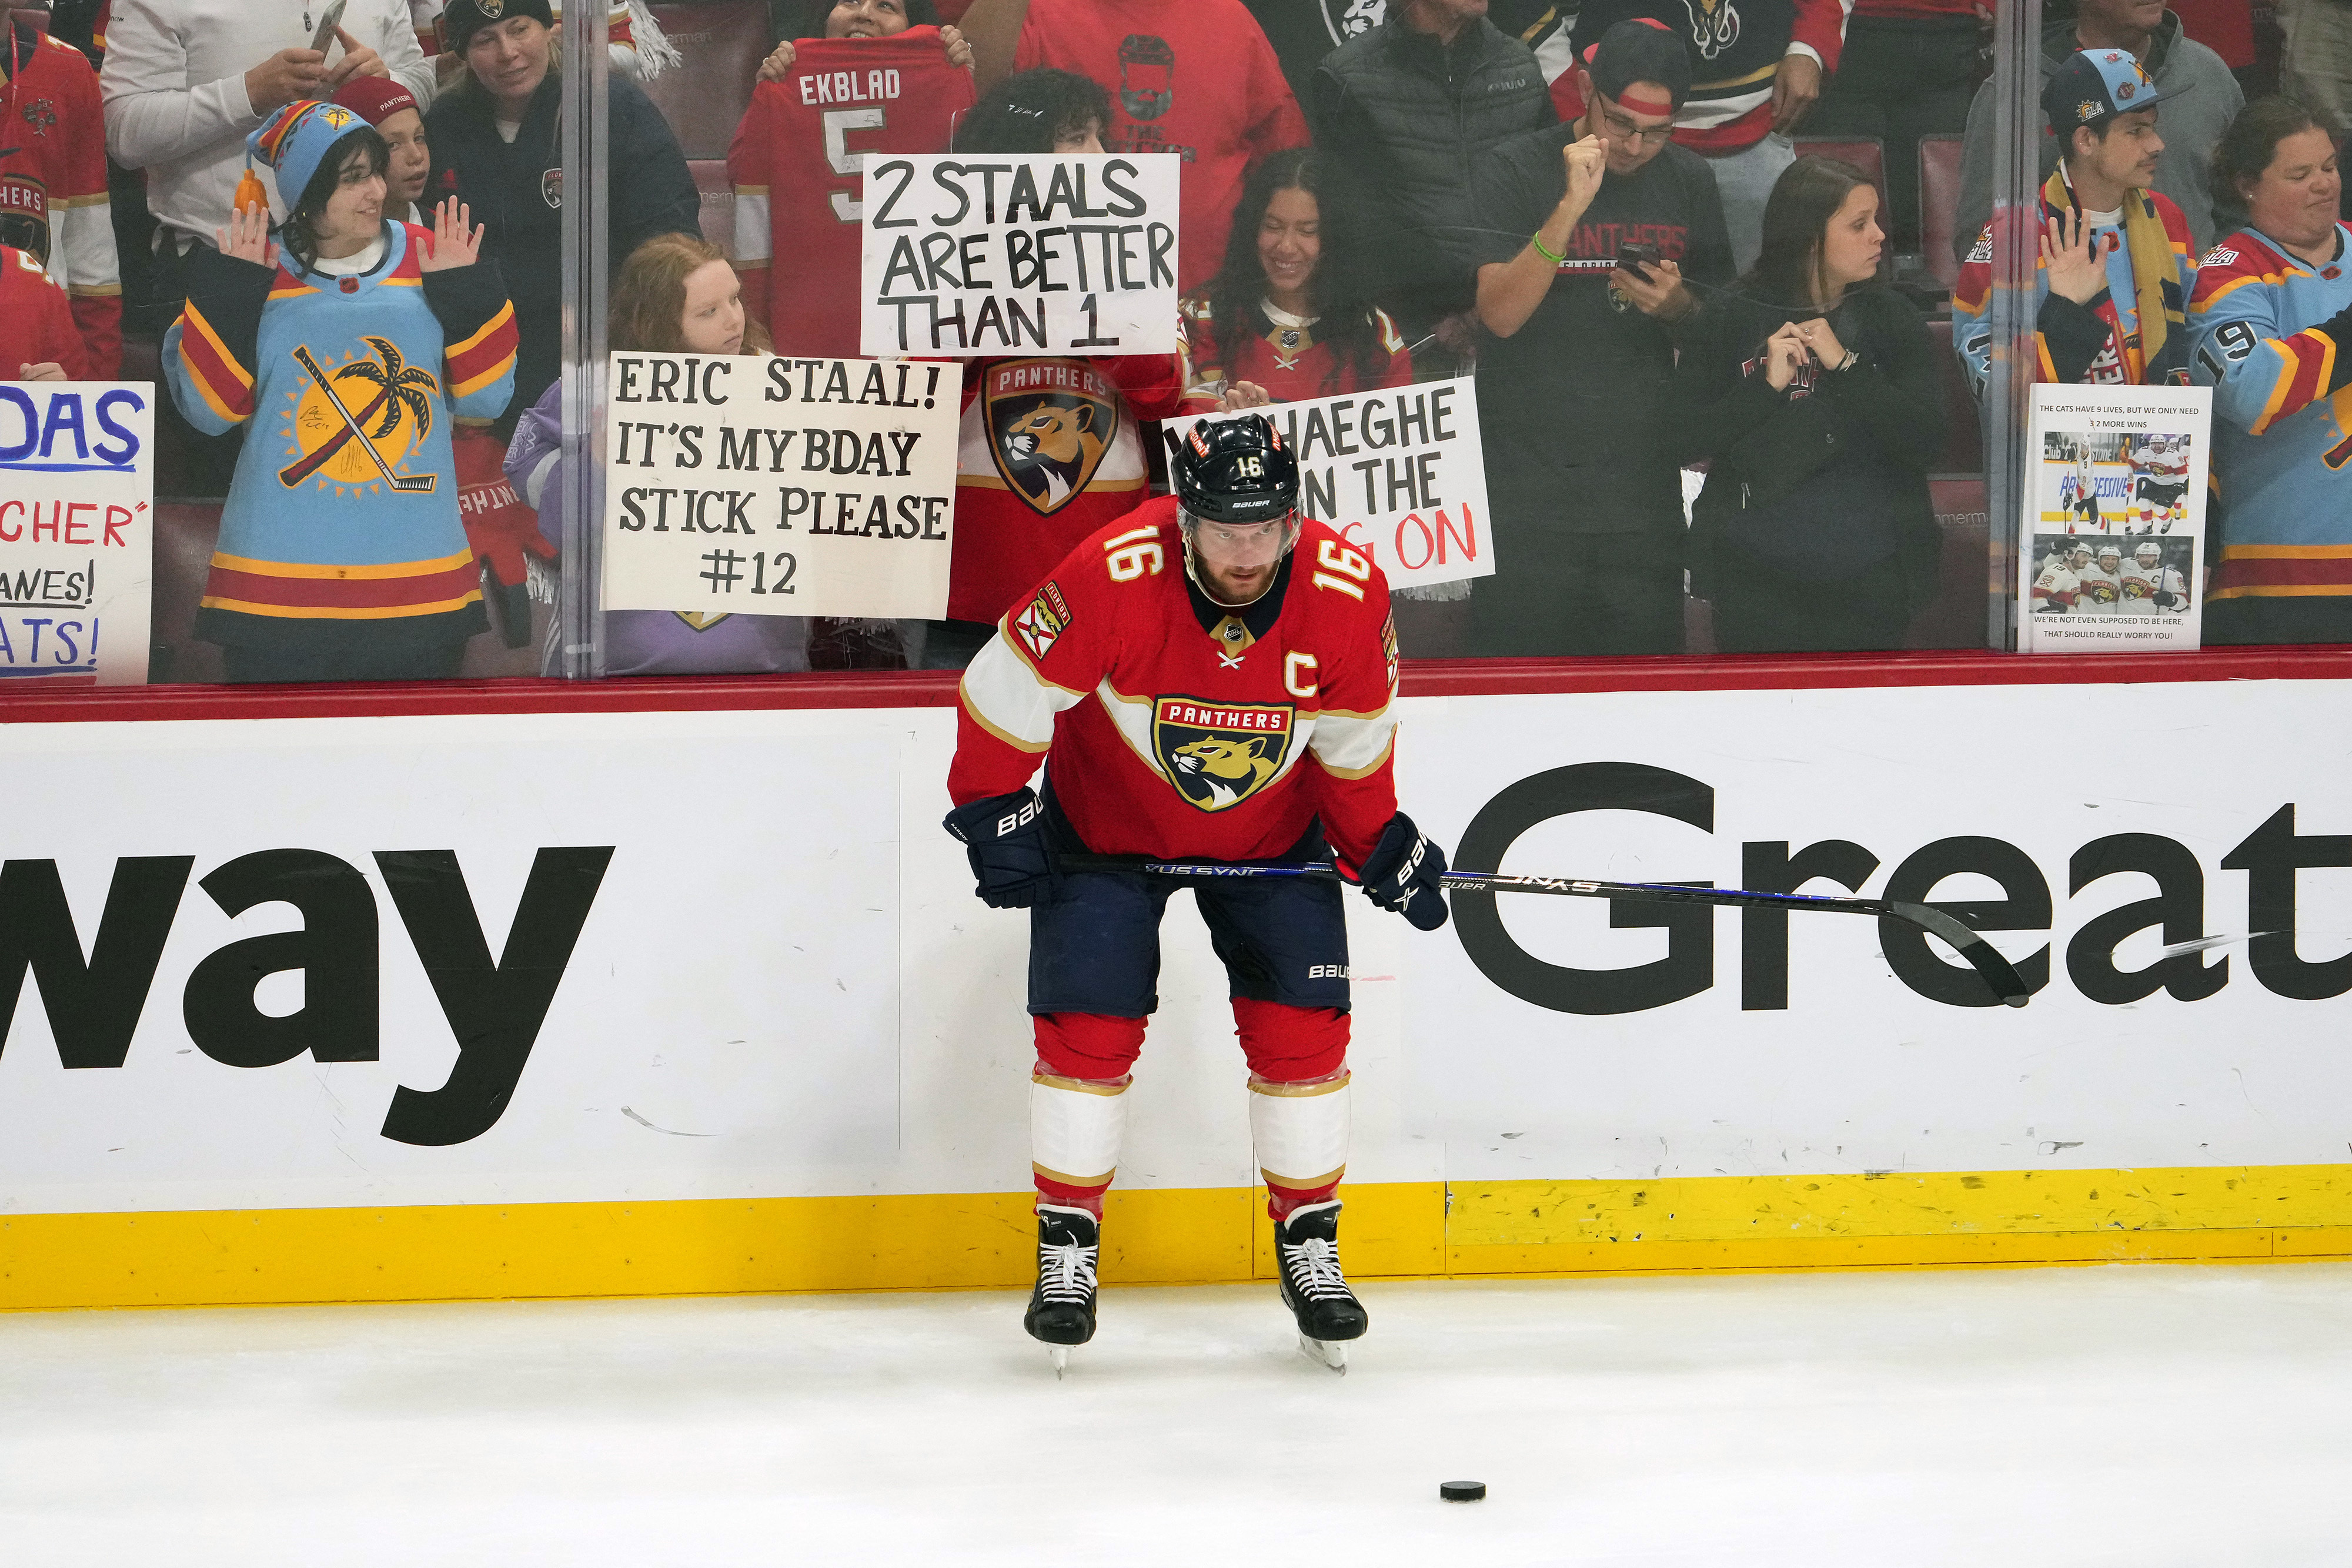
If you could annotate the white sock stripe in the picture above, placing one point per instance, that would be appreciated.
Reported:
(1076, 1130)
(1300, 1139)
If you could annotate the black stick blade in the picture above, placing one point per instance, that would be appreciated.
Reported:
(1981, 956)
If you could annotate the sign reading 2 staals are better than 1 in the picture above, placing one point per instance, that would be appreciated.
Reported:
(1044, 254)
(77, 530)
(735, 485)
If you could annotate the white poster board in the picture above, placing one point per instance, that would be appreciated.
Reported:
(2115, 519)
(1052, 253)
(77, 530)
(749, 486)
(1400, 474)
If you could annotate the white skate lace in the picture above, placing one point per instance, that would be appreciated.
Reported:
(1065, 1273)
(1314, 1265)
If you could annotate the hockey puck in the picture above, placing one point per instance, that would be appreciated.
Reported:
(1462, 1492)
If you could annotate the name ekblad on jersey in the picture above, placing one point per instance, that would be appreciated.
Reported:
(1218, 755)
(1041, 625)
(820, 88)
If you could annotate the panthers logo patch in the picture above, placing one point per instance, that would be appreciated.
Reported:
(1218, 755)
(1049, 424)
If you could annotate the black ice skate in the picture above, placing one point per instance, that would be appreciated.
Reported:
(1307, 1250)
(1062, 1309)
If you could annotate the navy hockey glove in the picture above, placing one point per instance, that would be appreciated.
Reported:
(1012, 857)
(1404, 874)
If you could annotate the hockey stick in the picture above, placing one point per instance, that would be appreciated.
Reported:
(1981, 956)
(415, 484)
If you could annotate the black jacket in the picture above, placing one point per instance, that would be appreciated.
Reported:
(517, 192)
(1822, 481)
(1410, 119)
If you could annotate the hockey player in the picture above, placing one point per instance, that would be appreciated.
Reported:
(2103, 582)
(2160, 482)
(1212, 678)
(2150, 585)
(2088, 518)
(2114, 270)
(2060, 586)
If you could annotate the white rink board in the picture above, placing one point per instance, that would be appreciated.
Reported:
(784, 988)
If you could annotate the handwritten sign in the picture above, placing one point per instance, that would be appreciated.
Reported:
(751, 487)
(77, 530)
(1400, 474)
(1020, 254)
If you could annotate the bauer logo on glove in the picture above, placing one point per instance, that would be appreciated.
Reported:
(1405, 873)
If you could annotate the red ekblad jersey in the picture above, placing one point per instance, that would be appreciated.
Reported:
(53, 199)
(1050, 450)
(1167, 739)
(798, 166)
(37, 325)
(1288, 361)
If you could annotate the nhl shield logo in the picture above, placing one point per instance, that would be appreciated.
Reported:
(1049, 424)
(1218, 755)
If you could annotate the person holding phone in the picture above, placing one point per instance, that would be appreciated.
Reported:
(1596, 240)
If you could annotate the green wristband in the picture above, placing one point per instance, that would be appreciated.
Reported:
(1536, 239)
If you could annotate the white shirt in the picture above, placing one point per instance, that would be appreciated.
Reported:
(174, 89)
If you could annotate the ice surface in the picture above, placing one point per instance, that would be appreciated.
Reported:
(2142, 1416)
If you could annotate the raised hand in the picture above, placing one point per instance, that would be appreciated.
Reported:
(1585, 162)
(958, 48)
(456, 241)
(247, 238)
(781, 60)
(358, 61)
(2067, 260)
(1244, 394)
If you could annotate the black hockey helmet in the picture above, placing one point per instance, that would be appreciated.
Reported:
(1237, 471)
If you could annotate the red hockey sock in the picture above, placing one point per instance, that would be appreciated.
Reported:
(1282, 1202)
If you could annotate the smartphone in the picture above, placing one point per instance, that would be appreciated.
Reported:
(327, 26)
(1633, 254)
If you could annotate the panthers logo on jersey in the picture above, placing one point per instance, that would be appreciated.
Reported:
(1049, 423)
(1218, 755)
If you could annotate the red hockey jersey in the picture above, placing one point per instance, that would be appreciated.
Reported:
(798, 167)
(1174, 734)
(1050, 450)
(1198, 80)
(1288, 361)
(53, 199)
(37, 325)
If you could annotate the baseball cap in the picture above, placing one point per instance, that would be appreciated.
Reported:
(2093, 85)
(1641, 50)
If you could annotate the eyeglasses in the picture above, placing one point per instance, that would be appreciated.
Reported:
(1624, 129)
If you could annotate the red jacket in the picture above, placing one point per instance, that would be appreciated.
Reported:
(37, 324)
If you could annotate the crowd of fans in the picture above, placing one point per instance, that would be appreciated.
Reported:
(1705, 367)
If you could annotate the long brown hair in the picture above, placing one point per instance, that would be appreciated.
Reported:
(649, 297)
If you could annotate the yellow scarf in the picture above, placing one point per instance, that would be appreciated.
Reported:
(2155, 272)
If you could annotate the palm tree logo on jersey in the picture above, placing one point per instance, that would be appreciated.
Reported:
(1218, 755)
(354, 427)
